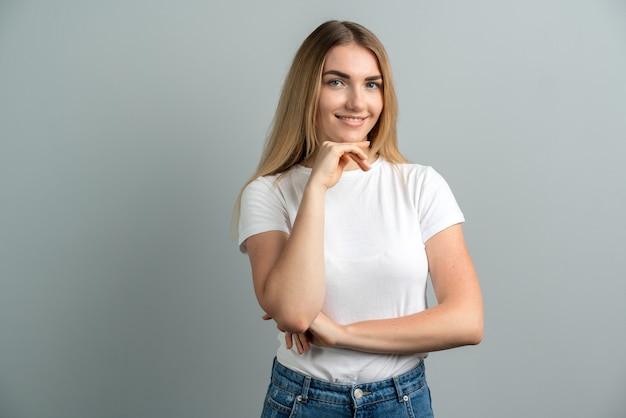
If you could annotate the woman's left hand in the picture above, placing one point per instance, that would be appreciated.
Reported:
(322, 332)
(301, 341)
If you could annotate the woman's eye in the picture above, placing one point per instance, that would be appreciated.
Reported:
(373, 85)
(335, 83)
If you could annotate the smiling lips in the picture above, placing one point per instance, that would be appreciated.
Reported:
(352, 118)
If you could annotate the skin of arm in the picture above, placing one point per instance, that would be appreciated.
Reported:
(288, 270)
(457, 319)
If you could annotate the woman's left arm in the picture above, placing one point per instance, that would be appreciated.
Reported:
(457, 319)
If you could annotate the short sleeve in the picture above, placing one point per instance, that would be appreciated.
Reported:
(262, 209)
(437, 206)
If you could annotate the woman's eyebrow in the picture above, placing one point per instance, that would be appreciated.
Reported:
(346, 76)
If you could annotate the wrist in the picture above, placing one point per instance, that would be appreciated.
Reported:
(314, 188)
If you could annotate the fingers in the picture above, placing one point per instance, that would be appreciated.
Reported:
(300, 341)
(362, 163)
(306, 346)
(356, 151)
(332, 159)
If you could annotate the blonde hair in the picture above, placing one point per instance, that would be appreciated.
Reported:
(293, 133)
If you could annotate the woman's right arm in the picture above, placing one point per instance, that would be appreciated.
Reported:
(288, 270)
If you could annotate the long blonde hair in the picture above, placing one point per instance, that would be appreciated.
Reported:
(293, 134)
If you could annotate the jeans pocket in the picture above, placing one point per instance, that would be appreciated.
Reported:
(419, 403)
(278, 402)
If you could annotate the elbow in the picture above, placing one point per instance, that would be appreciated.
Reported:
(474, 331)
(295, 322)
(290, 314)
(295, 325)
(471, 322)
(293, 318)
(467, 328)
(475, 335)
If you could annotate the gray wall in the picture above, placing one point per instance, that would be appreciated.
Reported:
(127, 128)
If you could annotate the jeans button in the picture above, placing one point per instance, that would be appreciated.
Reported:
(358, 393)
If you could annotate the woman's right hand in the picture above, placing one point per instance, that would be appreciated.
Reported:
(333, 157)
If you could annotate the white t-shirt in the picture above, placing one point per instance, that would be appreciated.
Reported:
(376, 224)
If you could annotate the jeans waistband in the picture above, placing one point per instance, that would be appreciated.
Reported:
(357, 394)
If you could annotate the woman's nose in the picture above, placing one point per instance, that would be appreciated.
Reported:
(355, 99)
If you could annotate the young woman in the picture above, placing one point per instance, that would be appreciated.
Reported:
(342, 232)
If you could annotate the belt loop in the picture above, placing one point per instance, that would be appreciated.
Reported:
(401, 396)
(304, 395)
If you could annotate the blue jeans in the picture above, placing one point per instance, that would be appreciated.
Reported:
(292, 394)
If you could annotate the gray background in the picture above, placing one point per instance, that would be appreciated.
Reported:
(127, 128)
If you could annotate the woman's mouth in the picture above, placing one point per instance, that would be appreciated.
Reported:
(351, 118)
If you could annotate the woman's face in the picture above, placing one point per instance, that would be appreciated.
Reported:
(351, 95)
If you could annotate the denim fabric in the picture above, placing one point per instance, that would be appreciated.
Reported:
(292, 394)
